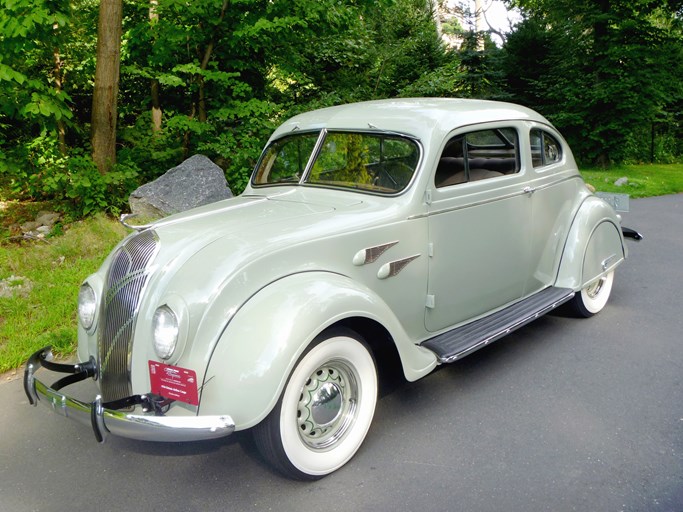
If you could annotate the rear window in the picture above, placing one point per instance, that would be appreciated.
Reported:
(545, 149)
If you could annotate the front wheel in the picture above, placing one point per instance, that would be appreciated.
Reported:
(325, 410)
(591, 299)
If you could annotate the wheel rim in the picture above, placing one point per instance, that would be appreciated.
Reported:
(594, 290)
(595, 296)
(327, 405)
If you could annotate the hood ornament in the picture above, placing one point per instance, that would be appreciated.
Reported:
(136, 227)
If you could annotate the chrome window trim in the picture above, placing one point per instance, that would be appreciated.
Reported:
(316, 150)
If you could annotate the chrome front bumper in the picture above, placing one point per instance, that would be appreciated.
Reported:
(147, 422)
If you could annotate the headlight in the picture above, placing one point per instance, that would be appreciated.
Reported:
(87, 306)
(166, 332)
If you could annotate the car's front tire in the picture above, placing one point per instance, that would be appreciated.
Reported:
(325, 410)
(593, 298)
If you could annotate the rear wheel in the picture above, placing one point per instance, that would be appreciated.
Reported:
(325, 410)
(593, 298)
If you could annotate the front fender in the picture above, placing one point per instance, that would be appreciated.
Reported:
(260, 346)
(594, 245)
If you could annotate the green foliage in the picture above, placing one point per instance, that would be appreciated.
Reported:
(223, 74)
(604, 72)
(29, 32)
(241, 144)
(72, 179)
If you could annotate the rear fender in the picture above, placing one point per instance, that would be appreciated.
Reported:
(594, 247)
(260, 346)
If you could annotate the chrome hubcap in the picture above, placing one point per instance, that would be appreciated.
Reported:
(593, 290)
(327, 405)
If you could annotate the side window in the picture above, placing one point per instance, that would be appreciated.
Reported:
(478, 155)
(545, 149)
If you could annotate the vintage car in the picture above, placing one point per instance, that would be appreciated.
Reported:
(373, 237)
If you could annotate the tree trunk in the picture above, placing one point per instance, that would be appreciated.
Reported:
(201, 103)
(156, 102)
(206, 58)
(57, 76)
(479, 24)
(156, 106)
(104, 113)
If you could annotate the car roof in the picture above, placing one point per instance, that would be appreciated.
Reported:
(423, 118)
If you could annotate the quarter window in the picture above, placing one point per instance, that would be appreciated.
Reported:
(478, 155)
(545, 149)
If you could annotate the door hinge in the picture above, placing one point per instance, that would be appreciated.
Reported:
(430, 303)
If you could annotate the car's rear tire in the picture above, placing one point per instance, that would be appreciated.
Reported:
(325, 410)
(593, 298)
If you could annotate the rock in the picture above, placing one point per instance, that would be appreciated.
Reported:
(621, 181)
(15, 286)
(41, 227)
(195, 182)
(27, 227)
(47, 219)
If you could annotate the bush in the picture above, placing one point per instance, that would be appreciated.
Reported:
(71, 180)
(661, 146)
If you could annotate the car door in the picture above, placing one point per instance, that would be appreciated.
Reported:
(479, 237)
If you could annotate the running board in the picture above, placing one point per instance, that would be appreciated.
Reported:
(461, 341)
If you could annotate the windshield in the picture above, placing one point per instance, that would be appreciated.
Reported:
(380, 163)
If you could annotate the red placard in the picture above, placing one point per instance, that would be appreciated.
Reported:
(174, 382)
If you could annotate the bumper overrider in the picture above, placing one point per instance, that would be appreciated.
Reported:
(146, 422)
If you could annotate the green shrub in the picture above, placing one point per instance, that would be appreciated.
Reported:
(72, 180)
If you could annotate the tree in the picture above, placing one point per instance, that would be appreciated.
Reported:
(33, 103)
(607, 69)
(105, 94)
(154, 82)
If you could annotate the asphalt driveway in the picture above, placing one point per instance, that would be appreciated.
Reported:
(563, 415)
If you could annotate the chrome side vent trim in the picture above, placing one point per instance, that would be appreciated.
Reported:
(126, 279)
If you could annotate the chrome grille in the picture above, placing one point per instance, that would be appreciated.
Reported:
(126, 278)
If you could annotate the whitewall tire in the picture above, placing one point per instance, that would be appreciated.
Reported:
(593, 298)
(325, 409)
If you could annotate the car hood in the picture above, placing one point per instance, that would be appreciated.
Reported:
(255, 239)
(258, 220)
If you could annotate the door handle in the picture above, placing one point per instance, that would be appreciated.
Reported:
(529, 190)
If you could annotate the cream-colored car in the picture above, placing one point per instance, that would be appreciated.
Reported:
(378, 237)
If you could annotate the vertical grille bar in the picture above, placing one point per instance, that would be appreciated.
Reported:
(126, 279)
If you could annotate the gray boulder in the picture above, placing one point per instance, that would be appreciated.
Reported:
(195, 182)
(41, 227)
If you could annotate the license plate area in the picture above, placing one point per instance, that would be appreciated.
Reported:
(174, 382)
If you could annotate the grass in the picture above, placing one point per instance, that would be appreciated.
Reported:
(41, 279)
(40, 282)
(645, 180)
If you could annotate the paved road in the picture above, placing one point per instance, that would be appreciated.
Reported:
(563, 415)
